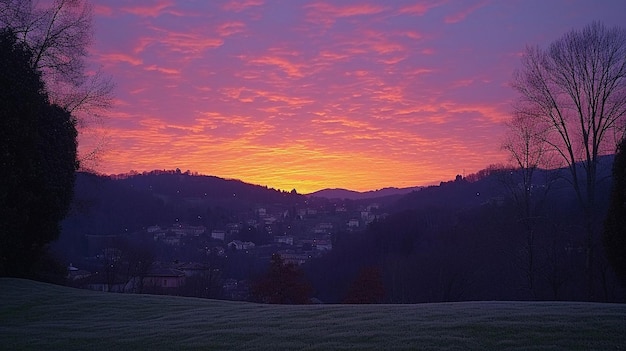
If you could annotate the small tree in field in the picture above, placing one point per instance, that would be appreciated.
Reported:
(367, 288)
(283, 283)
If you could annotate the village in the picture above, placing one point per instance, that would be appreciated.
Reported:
(216, 261)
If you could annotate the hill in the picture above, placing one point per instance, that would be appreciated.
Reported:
(356, 195)
(36, 316)
(104, 205)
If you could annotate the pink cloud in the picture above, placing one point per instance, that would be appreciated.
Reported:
(230, 28)
(238, 6)
(290, 68)
(393, 60)
(137, 91)
(332, 56)
(386, 47)
(462, 83)
(114, 58)
(327, 14)
(170, 71)
(239, 94)
(420, 8)
(190, 42)
(414, 35)
(290, 100)
(142, 44)
(102, 10)
(460, 16)
(419, 71)
(156, 10)
(182, 42)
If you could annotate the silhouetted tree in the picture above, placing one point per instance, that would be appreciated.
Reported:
(284, 283)
(615, 223)
(576, 91)
(367, 287)
(37, 161)
(58, 33)
(527, 147)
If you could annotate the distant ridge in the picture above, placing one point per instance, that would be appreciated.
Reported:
(338, 193)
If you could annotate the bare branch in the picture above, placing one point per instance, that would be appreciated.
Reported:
(58, 36)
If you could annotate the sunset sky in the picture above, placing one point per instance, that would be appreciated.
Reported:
(315, 94)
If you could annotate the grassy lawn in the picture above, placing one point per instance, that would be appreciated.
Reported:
(37, 316)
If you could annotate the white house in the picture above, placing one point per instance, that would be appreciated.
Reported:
(323, 245)
(285, 239)
(241, 245)
(353, 223)
(218, 234)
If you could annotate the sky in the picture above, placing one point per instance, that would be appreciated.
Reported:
(317, 94)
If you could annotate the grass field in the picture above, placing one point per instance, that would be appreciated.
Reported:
(37, 316)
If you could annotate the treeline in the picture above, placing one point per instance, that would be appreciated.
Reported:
(466, 241)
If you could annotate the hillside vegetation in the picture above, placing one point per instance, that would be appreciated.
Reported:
(37, 316)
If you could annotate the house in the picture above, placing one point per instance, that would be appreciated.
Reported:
(341, 208)
(164, 278)
(269, 220)
(322, 228)
(325, 225)
(241, 245)
(154, 228)
(323, 245)
(285, 239)
(159, 279)
(74, 273)
(192, 269)
(171, 239)
(353, 223)
(188, 230)
(233, 228)
(218, 234)
(294, 258)
(373, 206)
(104, 281)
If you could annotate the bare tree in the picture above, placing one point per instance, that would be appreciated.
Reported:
(59, 36)
(526, 144)
(576, 91)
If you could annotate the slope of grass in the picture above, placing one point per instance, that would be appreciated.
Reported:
(37, 316)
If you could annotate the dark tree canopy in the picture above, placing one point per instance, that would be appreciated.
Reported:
(367, 288)
(615, 224)
(37, 161)
(284, 283)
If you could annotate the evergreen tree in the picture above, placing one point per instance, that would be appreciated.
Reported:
(615, 223)
(37, 161)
